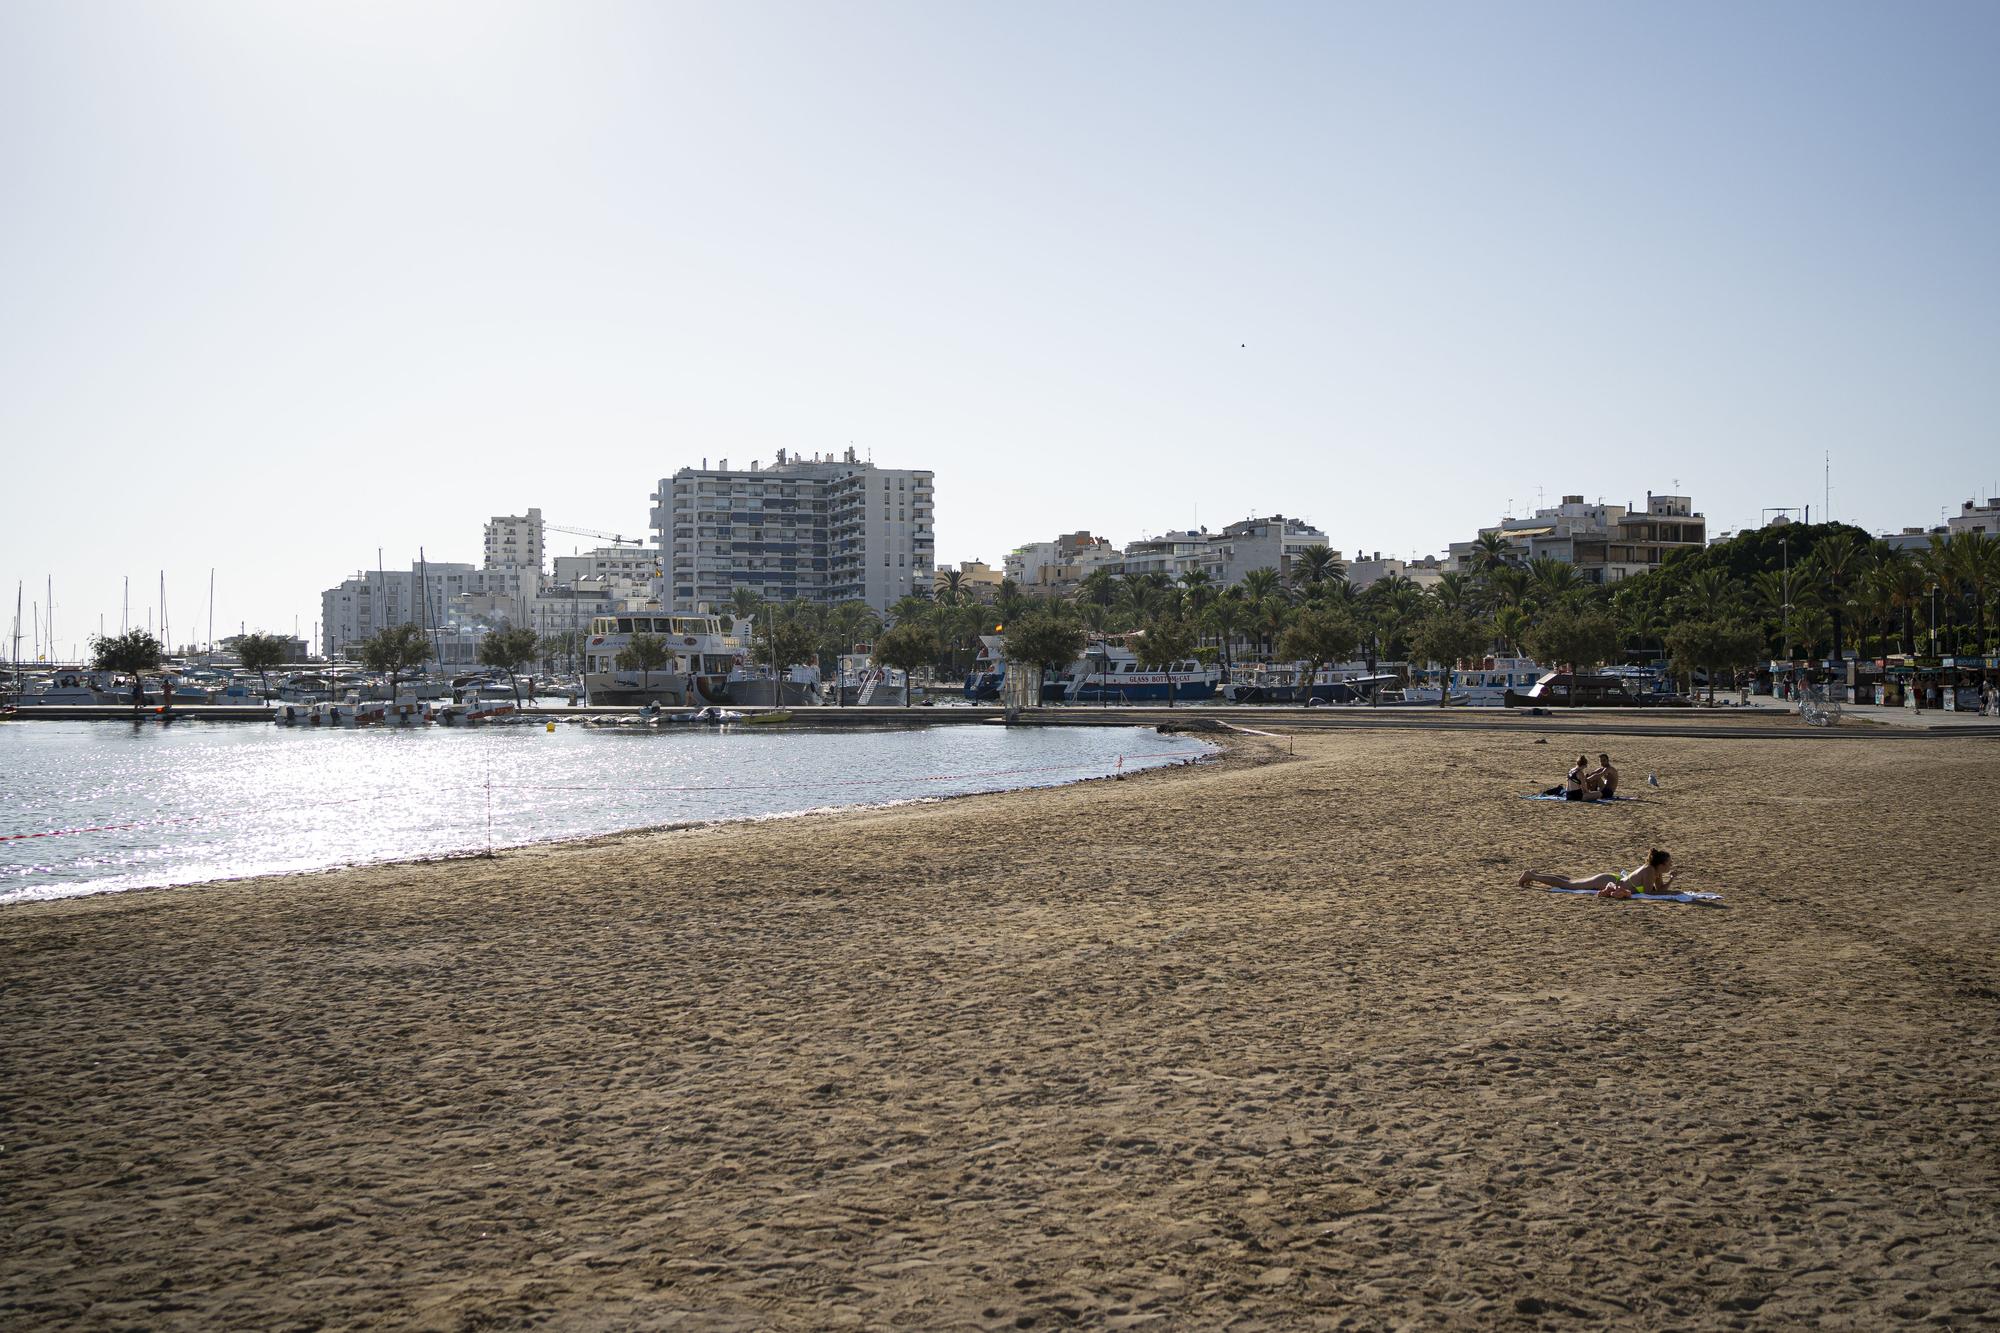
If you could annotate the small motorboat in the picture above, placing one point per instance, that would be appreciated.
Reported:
(711, 716)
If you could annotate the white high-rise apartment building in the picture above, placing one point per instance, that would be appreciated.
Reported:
(819, 529)
(514, 541)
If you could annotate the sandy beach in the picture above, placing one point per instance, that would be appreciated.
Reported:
(1274, 1041)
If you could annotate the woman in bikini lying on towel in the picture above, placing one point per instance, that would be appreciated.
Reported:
(1656, 876)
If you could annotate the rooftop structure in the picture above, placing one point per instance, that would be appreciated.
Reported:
(1983, 519)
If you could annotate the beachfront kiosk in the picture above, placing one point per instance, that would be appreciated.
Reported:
(1948, 684)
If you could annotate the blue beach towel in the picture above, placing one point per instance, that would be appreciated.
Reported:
(1602, 800)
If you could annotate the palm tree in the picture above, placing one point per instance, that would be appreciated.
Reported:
(1259, 583)
(1010, 603)
(951, 586)
(1551, 581)
(1842, 560)
(1225, 616)
(1979, 565)
(1099, 586)
(1904, 580)
(1640, 604)
(1315, 565)
(1490, 552)
(1709, 595)
(1507, 585)
(1197, 589)
(1269, 617)
(1454, 592)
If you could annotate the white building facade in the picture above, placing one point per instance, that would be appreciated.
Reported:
(1606, 543)
(1258, 543)
(514, 541)
(823, 530)
(1983, 519)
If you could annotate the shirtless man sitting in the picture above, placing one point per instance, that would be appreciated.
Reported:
(1603, 779)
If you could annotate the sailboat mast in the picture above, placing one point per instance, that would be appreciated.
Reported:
(211, 610)
(437, 637)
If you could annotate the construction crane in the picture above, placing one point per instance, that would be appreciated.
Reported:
(611, 537)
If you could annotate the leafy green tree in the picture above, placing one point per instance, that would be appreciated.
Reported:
(393, 650)
(787, 644)
(1714, 646)
(906, 648)
(645, 654)
(1445, 636)
(133, 653)
(1318, 638)
(1576, 639)
(259, 653)
(1045, 640)
(1165, 643)
(509, 648)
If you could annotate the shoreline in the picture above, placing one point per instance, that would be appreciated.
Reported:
(1216, 742)
(1274, 1045)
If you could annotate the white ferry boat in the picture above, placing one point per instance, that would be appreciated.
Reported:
(1284, 683)
(699, 659)
(1484, 684)
(1106, 673)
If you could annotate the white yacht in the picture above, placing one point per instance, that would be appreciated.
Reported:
(699, 660)
(1483, 684)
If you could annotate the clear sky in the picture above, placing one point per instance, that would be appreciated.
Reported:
(286, 283)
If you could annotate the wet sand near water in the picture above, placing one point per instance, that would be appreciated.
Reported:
(1270, 1042)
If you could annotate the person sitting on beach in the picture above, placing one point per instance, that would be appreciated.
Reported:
(1578, 786)
(1656, 876)
(1603, 779)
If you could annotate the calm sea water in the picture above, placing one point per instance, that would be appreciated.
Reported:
(137, 805)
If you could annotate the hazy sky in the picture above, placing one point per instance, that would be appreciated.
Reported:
(285, 283)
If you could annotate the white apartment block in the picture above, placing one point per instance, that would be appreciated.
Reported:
(514, 541)
(1982, 519)
(820, 529)
(1365, 569)
(630, 572)
(1171, 553)
(1056, 568)
(372, 600)
(1258, 543)
(1605, 542)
